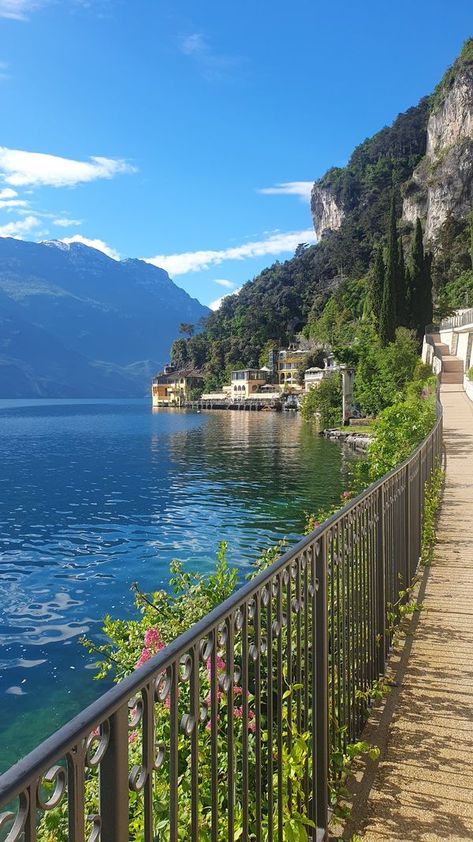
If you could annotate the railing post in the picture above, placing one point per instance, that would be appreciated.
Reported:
(381, 585)
(114, 781)
(321, 667)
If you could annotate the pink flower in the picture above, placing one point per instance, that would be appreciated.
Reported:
(237, 691)
(145, 656)
(252, 727)
(238, 713)
(220, 665)
(153, 640)
(346, 495)
(132, 737)
(208, 699)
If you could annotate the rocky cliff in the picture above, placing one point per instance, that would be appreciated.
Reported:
(442, 183)
(327, 214)
(426, 156)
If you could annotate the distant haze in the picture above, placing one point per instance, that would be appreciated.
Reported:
(75, 323)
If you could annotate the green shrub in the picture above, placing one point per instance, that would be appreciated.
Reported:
(383, 373)
(469, 373)
(398, 431)
(324, 402)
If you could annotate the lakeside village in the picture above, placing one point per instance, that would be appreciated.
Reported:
(278, 386)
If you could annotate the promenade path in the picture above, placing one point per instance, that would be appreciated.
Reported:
(422, 786)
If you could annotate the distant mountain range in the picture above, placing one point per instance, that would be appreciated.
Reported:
(75, 323)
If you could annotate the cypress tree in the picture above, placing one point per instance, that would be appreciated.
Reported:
(427, 303)
(392, 262)
(421, 283)
(471, 238)
(377, 285)
(409, 299)
(401, 289)
(388, 320)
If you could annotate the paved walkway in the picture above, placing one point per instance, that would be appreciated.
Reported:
(422, 787)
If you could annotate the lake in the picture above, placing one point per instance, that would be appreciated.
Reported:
(95, 495)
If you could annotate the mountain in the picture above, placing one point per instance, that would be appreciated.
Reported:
(426, 156)
(75, 323)
(425, 160)
(442, 184)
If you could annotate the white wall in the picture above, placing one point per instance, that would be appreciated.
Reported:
(462, 348)
(468, 385)
(446, 337)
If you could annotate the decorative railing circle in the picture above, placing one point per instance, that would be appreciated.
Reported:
(57, 776)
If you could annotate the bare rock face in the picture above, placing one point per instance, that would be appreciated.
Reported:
(442, 184)
(326, 213)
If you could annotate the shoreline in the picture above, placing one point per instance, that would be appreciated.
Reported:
(360, 441)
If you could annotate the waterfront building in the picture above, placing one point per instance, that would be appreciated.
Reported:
(246, 382)
(289, 363)
(174, 388)
(313, 376)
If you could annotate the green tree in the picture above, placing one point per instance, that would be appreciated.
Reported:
(382, 373)
(421, 283)
(388, 319)
(471, 238)
(324, 402)
(408, 285)
(312, 360)
(401, 289)
(186, 329)
(377, 285)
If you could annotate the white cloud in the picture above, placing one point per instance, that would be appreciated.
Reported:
(215, 305)
(20, 9)
(38, 169)
(4, 74)
(212, 64)
(8, 193)
(17, 9)
(193, 44)
(223, 283)
(290, 188)
(93, 244)
(13, 203)
(20, 227)
(194, 261)
(66, 223)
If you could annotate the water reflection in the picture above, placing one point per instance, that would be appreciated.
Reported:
(95, 495)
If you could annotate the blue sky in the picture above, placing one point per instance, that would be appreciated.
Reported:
(163, 121)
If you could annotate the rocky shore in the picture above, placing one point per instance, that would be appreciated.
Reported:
(349, 436)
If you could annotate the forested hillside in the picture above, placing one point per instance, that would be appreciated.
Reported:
(329, 286)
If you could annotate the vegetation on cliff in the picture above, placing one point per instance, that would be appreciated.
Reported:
(329, 291)
(464, 59)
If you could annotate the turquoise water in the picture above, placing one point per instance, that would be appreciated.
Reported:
(95, 495)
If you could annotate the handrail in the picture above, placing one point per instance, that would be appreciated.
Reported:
(465, 317)
(314, 620)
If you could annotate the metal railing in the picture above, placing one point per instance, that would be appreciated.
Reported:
(458, 320)
(232, 731)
